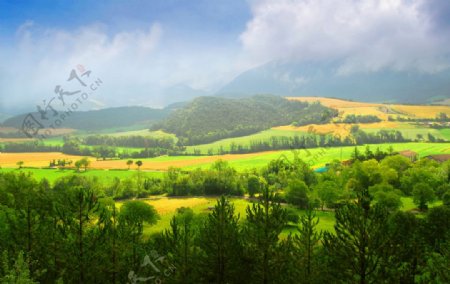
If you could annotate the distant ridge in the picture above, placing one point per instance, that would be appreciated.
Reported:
(325, 80)
(101, 119)
(207, 119)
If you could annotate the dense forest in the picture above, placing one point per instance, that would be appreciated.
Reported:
(72, 231)
(207, 119)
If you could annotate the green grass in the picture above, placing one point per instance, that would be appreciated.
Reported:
(164, 222)
(54, 141)
(326, 218)
(105, 176)
(143, 132)
(412, 132)
(243, 140)
(445, 133)
(408, 204)
(134, 127)
(320, 156)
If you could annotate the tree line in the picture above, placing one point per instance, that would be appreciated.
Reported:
(352, 118)
(133, 141)
(357, 136)
(440, 117)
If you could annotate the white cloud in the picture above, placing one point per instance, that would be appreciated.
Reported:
(367, 35)
(135, 65)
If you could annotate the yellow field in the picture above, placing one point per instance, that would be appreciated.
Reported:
(15, 140)
(5, 129)
(381, 110)
(422, 111)
(341, 129)
(53, 132)
(9, 160)
(162, 165)
(166, 205)
(333, 103)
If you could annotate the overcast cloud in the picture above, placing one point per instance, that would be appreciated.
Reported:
(367, 34)
(139, 62)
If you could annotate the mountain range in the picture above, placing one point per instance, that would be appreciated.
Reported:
(329, 80)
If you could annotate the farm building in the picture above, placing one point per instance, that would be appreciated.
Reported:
(439, 158)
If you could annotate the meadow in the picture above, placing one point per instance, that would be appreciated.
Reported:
(408, 130)
(166, 207)
(245, 140)
(316, 157)
(104, 176)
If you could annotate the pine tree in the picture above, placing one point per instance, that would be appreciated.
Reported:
(306, 242)
(265, 221)
(221, 245)
(357, 246)
(179, 243)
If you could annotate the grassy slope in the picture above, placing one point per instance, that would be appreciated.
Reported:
(408, 130)
(243, 140)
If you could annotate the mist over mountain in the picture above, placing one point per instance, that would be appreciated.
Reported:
(330, 80)
(3, 117)
(101, 119)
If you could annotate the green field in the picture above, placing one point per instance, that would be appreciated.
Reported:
(445, 133)
(243, 140)
(412, 132)
(105, 176)
(326, 218)
(320, 156)
(142, 132)
(317, 157)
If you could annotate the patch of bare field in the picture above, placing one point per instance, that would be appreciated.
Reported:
(383, 111)
(166, 205)
(422, 111)
(5, 129)
(6, 140)
(334, 103)
(10, 160)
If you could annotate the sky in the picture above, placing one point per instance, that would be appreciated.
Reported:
(143, 49)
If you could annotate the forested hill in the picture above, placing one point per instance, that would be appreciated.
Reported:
(207, 119)
(100, 119)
